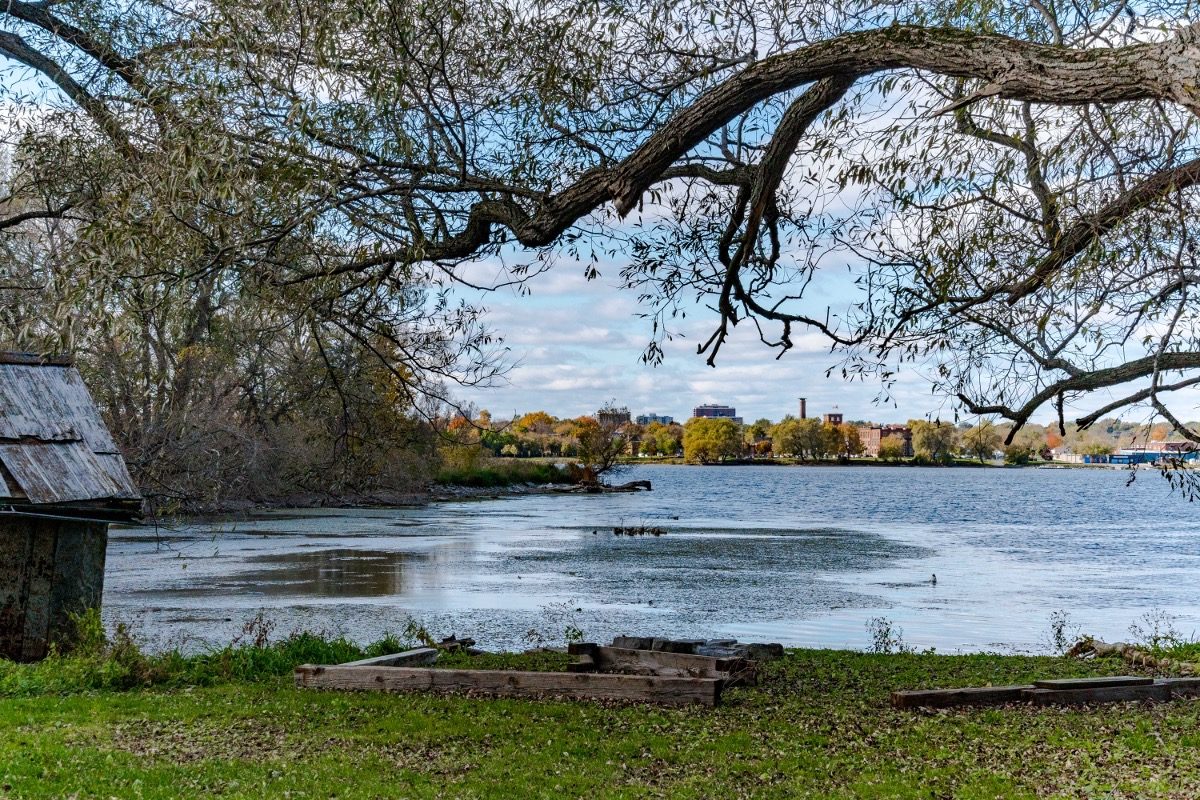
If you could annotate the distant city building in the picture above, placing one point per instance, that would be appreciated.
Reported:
(833, 418)
(872, 436)
(715, 411)
(661, 419)
(612, 417)
(1154, 452)
(1068, 456)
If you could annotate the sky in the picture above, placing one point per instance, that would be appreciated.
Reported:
(576, 344)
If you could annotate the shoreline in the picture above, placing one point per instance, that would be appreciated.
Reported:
(449, 493)
(248, 509)
(859, 462)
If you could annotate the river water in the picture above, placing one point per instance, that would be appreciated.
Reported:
(801, 555)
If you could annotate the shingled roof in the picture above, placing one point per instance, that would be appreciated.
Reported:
(56, 455)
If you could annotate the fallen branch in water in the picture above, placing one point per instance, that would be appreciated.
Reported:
(1132, 654)
(594, 487)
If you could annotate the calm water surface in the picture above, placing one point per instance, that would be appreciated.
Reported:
(805, 556)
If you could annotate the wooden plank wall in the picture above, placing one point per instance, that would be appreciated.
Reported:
(49, 570)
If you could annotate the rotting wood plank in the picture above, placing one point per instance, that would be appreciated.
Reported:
(592, 657)
(16, 559)
(575, 685)
(1182, 687)
(634, 642)
(584, 664)
(51, 405)
(1094, 683)
(58, 472)
(40, 580)
(654, 662)
(970, 696)
(618, 656)
(418, 657)
(1075, 691)
(1109, 694)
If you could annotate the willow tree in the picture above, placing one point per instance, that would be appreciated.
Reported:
(1004, 190)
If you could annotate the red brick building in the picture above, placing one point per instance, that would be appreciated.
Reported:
(874, 435)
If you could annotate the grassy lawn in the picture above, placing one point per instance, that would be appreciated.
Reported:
(819, 725)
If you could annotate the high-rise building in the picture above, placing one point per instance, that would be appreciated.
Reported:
(661, 419)
(715, 411)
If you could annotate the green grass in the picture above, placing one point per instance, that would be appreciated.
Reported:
(230, 724)
(1182, 651)
(120, 665)
(536, 662)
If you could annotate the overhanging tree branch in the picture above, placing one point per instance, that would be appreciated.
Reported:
(16, 48)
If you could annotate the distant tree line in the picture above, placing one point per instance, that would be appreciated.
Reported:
(932, 442)
(710, 440)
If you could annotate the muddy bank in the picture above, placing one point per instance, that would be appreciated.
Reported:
(452, 493)
(436, 493)
(235, 509)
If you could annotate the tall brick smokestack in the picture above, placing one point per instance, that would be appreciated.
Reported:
(803, 408)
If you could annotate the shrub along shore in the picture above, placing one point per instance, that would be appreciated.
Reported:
(112, 721)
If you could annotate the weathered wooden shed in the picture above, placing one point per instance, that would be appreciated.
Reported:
(62, 481)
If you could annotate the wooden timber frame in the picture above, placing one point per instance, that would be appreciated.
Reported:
(1070, 691)
(600, 673)
(627, 661)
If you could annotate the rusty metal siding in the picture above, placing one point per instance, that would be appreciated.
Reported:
(114, 466)
(50, 403)
(54, 447)
(58, 472)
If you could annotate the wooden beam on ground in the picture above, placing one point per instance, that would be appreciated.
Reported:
(681, 665)
(1094, 683)
(504, 683)
(1100, 694)
(946, 698)
(633, 642)
(1182, 687)
(421, 656)
(1063, 691)
(584, 664)
(582, 648)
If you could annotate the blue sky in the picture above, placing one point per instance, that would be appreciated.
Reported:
(575, 344)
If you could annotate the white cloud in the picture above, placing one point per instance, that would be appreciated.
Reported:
(577, 344)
